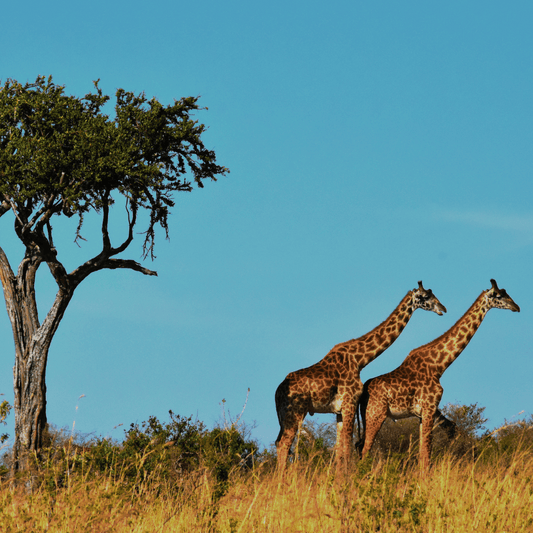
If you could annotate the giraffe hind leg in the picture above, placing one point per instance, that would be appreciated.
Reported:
(287, 434)
(290, 416)
(374, 421)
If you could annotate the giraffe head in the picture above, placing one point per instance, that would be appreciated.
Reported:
(425, 299)
(495, 297)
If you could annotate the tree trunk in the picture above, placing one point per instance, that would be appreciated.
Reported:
(29, 375)
(32, 342)
(32, 339)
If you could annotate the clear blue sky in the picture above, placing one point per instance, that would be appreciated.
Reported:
(371, 145)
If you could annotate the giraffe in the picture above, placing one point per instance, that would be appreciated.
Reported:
(414, 389)
(333, 384)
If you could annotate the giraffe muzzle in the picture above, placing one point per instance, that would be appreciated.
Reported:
(440, 309)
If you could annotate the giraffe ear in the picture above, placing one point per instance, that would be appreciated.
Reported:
(494, 285)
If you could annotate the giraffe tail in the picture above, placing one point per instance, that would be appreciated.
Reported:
(281, 396)
(361, 408)
(358, 443)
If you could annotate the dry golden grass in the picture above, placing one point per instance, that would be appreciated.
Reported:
(462, 496)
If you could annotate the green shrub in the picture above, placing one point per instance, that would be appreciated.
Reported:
(152, 451)
(507, 440)
(315, 442)
(225, 450)
(5, 409)
(170, 448)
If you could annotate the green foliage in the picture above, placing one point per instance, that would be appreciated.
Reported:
(5, 409)
(378, 499)
(511, 433)
(316, 442)
(172, 447)
(151, 452)
(504, 442)
(469, 419)
(401, 437)
(223, 450)
(152, 449)
(397, 437)
(60, 154)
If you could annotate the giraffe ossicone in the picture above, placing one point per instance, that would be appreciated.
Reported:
(414, 389)
(333, 385)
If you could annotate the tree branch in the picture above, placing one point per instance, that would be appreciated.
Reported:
(21, 226)
(26, 274)
(43, 215)
(105, 232)
(6, 273)
(9, 284)
(131, 225)
(101, 262)
(47, 253)
(128, 263)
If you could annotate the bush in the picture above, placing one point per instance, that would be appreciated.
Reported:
(151, 452)
(172, 449)
(316, 441)
(508, 439)
(401, 437)
(225, 450)
(396, 437)
(469, 419)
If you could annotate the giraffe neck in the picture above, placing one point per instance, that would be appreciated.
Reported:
(443, 351)
(375, 342)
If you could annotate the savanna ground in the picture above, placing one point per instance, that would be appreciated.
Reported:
(179, 476)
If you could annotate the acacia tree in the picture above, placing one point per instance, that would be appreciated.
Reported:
(61, 156)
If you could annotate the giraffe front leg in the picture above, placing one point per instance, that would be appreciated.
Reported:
(426, 439)
(345, 441)
(339, 432)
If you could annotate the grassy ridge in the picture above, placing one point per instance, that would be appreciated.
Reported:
(492, 493)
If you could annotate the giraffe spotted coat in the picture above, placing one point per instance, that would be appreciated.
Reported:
(414, 389)
(333, 384)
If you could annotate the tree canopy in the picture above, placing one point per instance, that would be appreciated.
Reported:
(60, 154)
